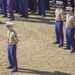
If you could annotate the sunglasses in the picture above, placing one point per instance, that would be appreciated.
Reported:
(8, 26)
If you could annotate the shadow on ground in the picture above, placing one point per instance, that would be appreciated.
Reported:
(2, 23)
(21, 70)
(36, 20)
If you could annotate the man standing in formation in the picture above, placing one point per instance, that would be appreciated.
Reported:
(59, 18)
(12, 41)
(1, 7)
(70, 28)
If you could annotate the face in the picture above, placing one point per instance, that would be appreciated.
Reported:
(69, 11)
(58, 6)
(9, 27)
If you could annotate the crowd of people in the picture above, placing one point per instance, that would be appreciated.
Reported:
(7, 7)
(22, 6)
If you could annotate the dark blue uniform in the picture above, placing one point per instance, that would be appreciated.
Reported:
(20, 6)
(11, 10)
(1, 6)
(41, 6)
(24, 4)
(17, 6)
(5, 10)
(32, 5)
(47, 5)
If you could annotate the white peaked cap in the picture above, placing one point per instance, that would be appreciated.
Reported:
(69, 8)
(9, 24)
(59, 2)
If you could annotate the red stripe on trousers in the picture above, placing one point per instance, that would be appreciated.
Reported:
(73, 37)
(61, 30)
(14, 57)
(35, 5)
(11, 9)
(5, 5)
(26, 8)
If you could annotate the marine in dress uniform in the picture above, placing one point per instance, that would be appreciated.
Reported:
(12, 41)
(59, 18)
(41, 7)
(70, 27)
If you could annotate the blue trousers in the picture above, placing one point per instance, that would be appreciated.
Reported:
(12, 56)
(59, 32)
(32, 5)
(20, 6)
(70, 43)
(41, 6)
(4, 6)
(1, 6)
(17, 6)
(10, 8)
(25, 8)
(47, 5)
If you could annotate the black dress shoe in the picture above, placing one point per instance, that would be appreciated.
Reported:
(11, 19)
(56, 42)
(72, 51)
(15, 70)
(39, 14)
(33, 11)
(60, 45)
(66, 48)
(10, 67)
(43, 15)
(22, 16)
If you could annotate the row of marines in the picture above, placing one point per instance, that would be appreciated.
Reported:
(22, 6)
